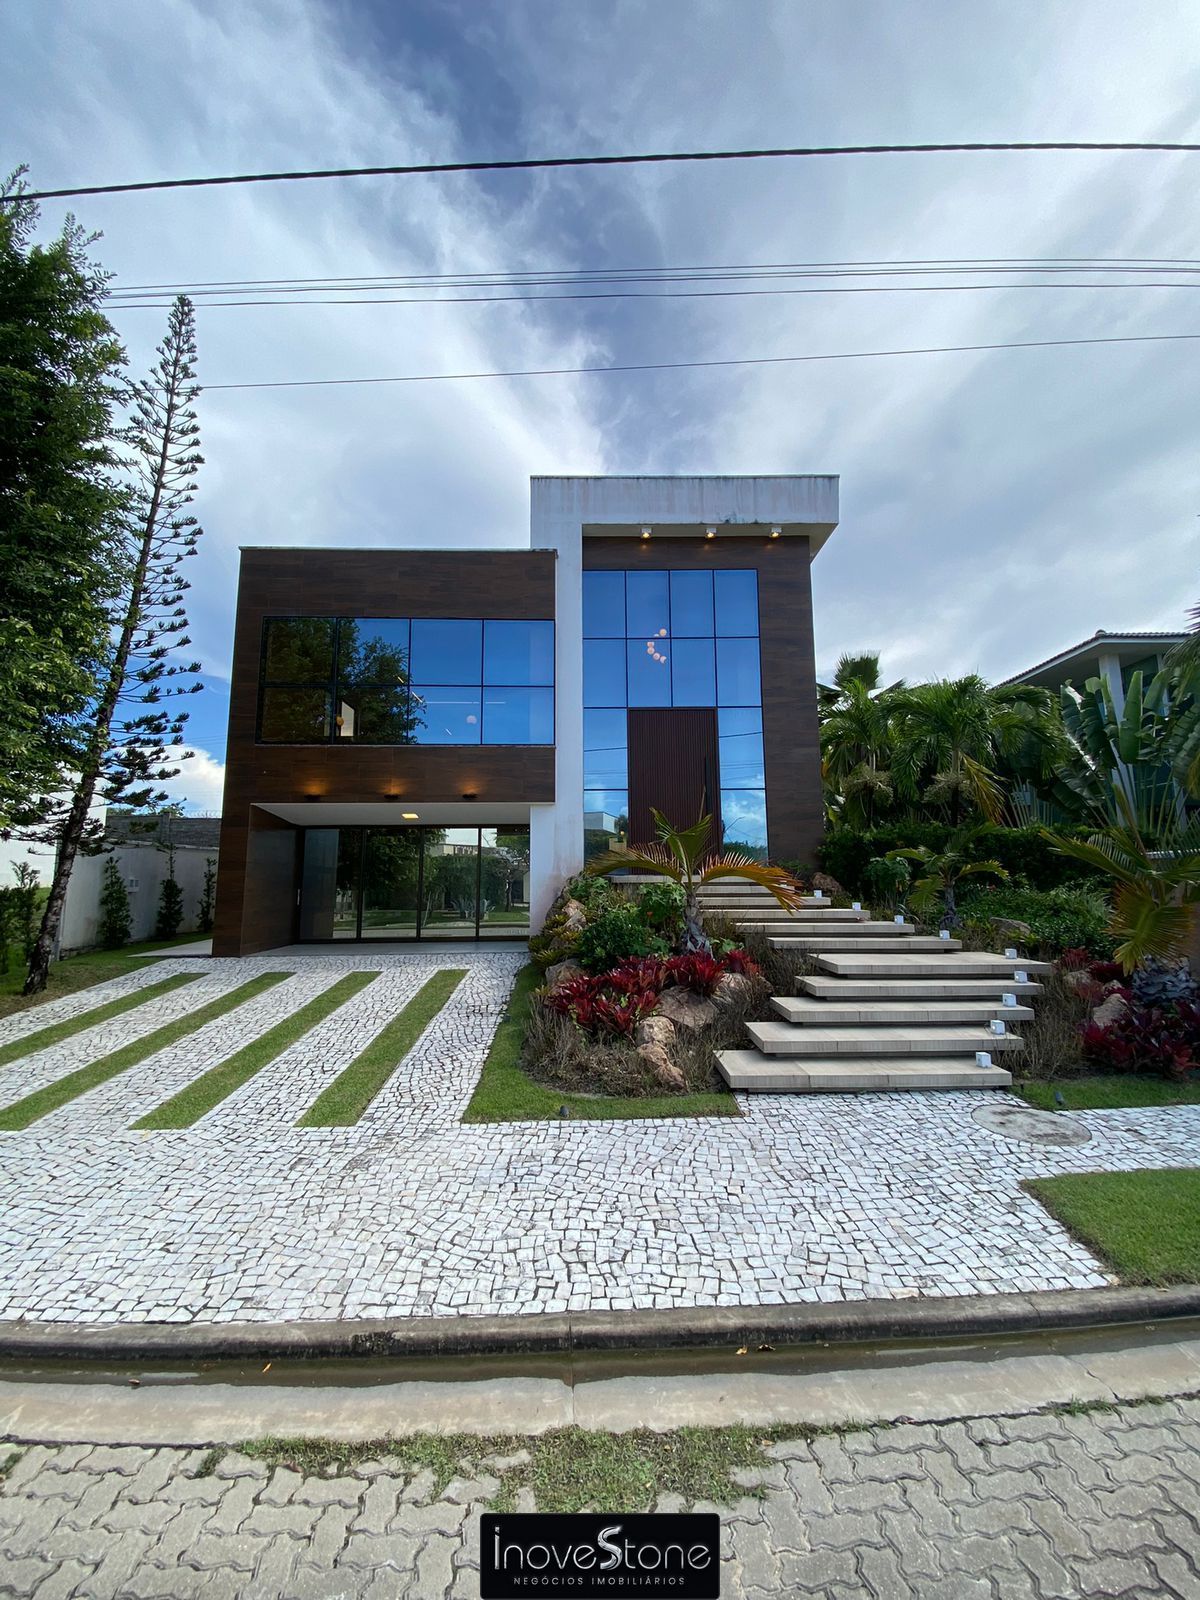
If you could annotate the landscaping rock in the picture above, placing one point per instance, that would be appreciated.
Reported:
(733, 987)
(1011, 927)
(655, 1030)
(574, 917)
(687, 1010)
(661, 1065)
(563, 972)
(829, 886)
(1110, 1009)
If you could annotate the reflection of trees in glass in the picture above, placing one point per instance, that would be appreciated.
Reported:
(373, 679)
(300, 649)
(511, 855)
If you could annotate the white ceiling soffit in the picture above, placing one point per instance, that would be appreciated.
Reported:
(377, 814)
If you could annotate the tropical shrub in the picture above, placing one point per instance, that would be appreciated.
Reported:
(615, 936)
(1157, 983)
(586, 1003)
(1026, 854)
(886, 878)
(660, 906)
(697, 971)
(1159, 1039)
(1059, 920)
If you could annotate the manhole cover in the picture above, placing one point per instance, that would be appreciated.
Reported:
(1033, 1127)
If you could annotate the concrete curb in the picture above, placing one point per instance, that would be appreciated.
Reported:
(842, 1322)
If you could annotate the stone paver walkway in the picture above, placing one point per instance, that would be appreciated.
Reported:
(245, 1217)
(1020, 1508)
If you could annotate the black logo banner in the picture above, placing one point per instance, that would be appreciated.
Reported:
(648, 1553)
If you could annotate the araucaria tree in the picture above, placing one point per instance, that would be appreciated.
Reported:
(60, 498)
(130, 731)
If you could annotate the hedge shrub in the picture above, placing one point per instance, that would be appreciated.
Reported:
(1026, 853)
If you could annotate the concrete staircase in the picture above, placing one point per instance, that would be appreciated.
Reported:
(886, 1008)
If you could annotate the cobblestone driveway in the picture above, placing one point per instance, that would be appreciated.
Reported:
(245, 1217)
(1104, 1503)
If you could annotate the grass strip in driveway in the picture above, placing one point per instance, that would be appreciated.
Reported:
(1144, 1225)
(22, 1112)
(505, 1093)
(1109, 1091)
(342, 1102)
(56, 1032)
(208, 1090)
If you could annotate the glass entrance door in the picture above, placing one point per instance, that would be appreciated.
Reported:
(414, 883)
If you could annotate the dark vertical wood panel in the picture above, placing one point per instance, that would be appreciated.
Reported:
(673, 766)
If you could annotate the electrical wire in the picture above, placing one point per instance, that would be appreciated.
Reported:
(657, 158)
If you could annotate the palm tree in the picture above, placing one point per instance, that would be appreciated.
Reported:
(856, 740)
(957, 740)
(683, 855)
(862, 669)
(1185, 658)
(945, 869)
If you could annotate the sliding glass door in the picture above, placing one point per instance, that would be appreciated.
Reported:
(414, 883)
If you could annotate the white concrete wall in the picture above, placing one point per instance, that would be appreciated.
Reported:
(149, 866)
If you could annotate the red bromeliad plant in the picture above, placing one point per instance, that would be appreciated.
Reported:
(1161, 1039)
(698, 972)
(616, 1001)
(740, 961)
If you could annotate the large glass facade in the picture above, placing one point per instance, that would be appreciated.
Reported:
(389, 680)
(414, 883)
(672, 639)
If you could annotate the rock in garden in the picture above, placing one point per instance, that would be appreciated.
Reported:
(661, 1065)
(574, 916)
(1110, 1010)
(658, 1031)
(685, 1009)
(563, 972)
(829, 886)
(1010, 926)
(733, 987)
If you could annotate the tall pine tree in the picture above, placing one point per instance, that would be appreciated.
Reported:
(131, 731)
(60, 498)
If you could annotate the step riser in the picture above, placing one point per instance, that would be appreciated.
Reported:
(836, 990)
(881, 945)
(795, 928)
(827, 1014)
(880, 1047)
(886, 964)
(748, 1074)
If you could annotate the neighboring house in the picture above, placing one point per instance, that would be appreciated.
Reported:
(421, 741)
(140, 847)
(1112, 656)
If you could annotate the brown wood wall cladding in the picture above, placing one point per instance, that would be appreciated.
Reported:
(673, 768)
(791, 737)
(256, 882)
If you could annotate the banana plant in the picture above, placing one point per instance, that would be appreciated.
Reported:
(684, 856)
(1133, 760)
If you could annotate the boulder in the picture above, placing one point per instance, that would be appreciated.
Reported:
(563, 972)
(661, 1065)
(733, 987)
(574, 917)
(685, 1009)
(1011, 927)
(1112, 1007)
(657, 1031)
(829, 886)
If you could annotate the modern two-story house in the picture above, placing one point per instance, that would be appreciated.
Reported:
(423, 744)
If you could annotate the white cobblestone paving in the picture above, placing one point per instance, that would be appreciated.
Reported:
(70, 1006)
(1029, 1507)
(247, 1217)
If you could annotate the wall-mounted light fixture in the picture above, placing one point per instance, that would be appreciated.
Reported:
(775, 532)
(645, 533)
(470, 794)
(710, 533)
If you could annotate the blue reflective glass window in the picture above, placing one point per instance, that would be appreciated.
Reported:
(649, 673)
(739, 736)
(518, 652)
(445, 714)
(604, 605)
(735, 597)
(373, 650)
(737, 673)
(605, 757)
(518, 716)
(610, 803)
(693, 677)
(744, 819)
(446, 651)
(691, 604)
(603, 672)
(647, 605)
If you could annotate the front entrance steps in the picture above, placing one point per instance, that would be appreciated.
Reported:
(886, 1009)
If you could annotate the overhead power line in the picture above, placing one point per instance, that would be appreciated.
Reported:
(732, 361)
(430, 168)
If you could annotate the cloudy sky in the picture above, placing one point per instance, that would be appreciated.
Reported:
(995, 507)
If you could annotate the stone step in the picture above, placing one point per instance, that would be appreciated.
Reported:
(806, 1012)
(809, 915)
(782, 1039)
(802, 927)
(748, 1072)
(852, 944)
(911, 962)
(824, 987)
(737, 901)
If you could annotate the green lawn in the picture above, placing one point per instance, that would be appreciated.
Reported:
(1108, 1092)
(505, 1093)
(218, 1083)
(343, 1102)
(56, 1032)
(63, 1090)
(1144, 1225)
(79, 972)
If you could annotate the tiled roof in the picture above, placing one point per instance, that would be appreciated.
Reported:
(1130, 635)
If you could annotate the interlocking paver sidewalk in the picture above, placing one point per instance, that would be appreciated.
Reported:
(862, 1517)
